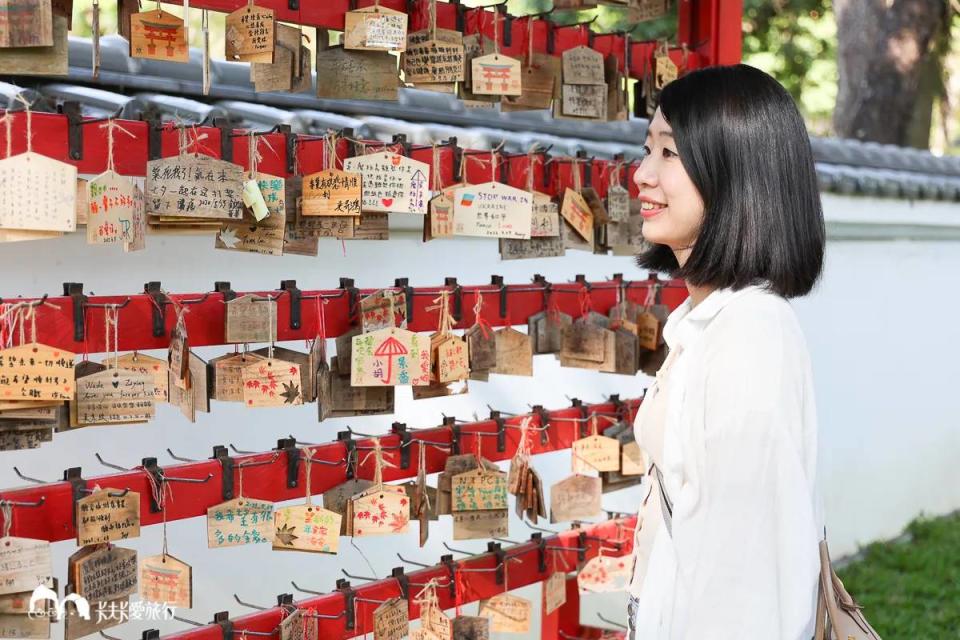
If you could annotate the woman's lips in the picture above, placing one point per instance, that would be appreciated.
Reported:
(649, 213)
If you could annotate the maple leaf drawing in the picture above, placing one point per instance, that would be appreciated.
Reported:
(290, 393)
(285, 534)
(229, 238)
(398, 522)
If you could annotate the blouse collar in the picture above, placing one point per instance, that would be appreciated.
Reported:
(688, 321)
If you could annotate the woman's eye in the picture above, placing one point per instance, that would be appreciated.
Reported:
(667, 153)
(646, 150)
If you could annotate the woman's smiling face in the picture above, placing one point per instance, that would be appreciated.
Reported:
(672, 208)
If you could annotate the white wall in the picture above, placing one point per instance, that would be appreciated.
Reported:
(881, 327)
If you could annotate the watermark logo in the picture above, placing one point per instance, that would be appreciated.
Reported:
(43, 594)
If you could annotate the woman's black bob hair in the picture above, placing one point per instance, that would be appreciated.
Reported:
(744, 145)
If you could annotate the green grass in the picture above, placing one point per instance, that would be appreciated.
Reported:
(910, 589)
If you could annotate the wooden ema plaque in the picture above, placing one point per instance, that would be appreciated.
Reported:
(496, 74)
(391, 182)
(114, 396)
(105, 573)
(155, 368)
(356, 75)
(37, 193)
(271, 383)
(106, 515)
(306, 528)
(194, 186)
(507, 613)
(604, 574)
(492, 210)
(375, 28)
(331, 193)
(249, 35)
(24, 564)
(434, 58)
(158, 35)
(164, 579)
(390, 356)
(26, 23)
(36, 372)
(114, 202)
(379, 511)
(239, 521)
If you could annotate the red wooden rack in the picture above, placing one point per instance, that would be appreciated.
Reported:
(70, 321)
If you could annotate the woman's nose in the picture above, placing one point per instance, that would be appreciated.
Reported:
(646, 174)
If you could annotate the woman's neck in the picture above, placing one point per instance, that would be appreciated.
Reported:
(699, 293)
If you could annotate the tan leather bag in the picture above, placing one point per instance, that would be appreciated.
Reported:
(839, 617)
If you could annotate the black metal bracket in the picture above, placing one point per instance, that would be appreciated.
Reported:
(71, 109)
(401, 139)
(582, 281)
(150, 466)
(402, 580)
(450, 421)
(497, 281)
(222, 618)
(285, 599)
(457, 151)
(75, 291)
(457, 312)
(400, 428)
(460, 16)
(551, 37)
(154, 135)
(587, 166)
(293, 5)
(501, 556)
(404, 283)
(343, 586)
(584, 427)
(296, 297)
(150, 634)
(501, 430)
(541, 551)
(507, 24)
(347, 439)
(223, 288)
(352, 295)
(226, 470)
(289, 447)
(447, 561)
(160, 300)
(226, 140)
(290, 138)
(544, 416)
(618, 405)
(78, 487)
(582, 546)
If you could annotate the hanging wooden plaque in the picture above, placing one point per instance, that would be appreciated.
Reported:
(604, 574)
(452, 363)
(102, 517)
(249, 34)
(356, 75)
(155, 368)
(577, 212)
(507, 613)
(666, 71)
(514, 353)
(115, 396)
(492, 210)
(575, 498)
(335, 500)
(481, 525)
(226, 374)
(37, 193)
(554, 592)
(306, 528)
(584, 101)
(331, 193)
(479, 490)
(158, 35)
(390, 356)
(538, 82)
(39, 60)
(264, 236)
(307, 366)
(584, 341)
(375, 28)
(618, 203)
(482, 348)
(434, 57)
(595, 453)
(239, 521)
(251, 318)
(391, 182)
(391, 620)
(582, 65)
(166, 580)
(26, 23)
(546, 329)
(439, 221)
(24, 564)
(383, 309)
(496, 74)
(114, 201)
(281, 74)
(36, 372)
(271, 383)
(194, 186)
(107, 573)
(380, 511)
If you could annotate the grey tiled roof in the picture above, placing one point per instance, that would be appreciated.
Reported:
(133, 87)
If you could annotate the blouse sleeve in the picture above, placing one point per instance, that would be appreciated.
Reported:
(744, 525)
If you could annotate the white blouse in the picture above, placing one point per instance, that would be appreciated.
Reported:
(739, 465)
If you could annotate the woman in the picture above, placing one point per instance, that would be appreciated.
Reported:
(726, 541)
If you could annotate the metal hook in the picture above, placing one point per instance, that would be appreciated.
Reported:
(112, 494)
(371, 601)
(508, 541)
(414, 563)
(310, 591)
(105, 305)
(248, 605)
(108, 637)
(353, 577)
(18, 503)
(202, 298)
(449, 548)
(28, 478)
(193, 622)
(536, 528)
(179, 458)
(109, 464)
